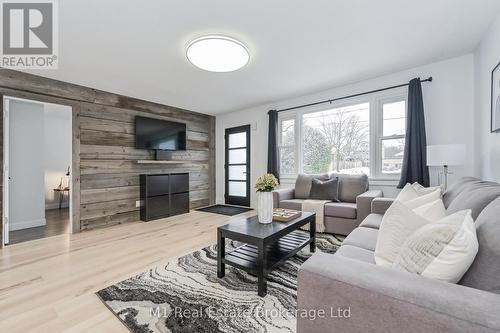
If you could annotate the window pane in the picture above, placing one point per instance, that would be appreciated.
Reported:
(237, 172)
(337, 140)
(238, 140)
(238, 189)
(288, 132)
(238, 156)
(392, 155)
(287, 160)
(394, 118)
(287, 146)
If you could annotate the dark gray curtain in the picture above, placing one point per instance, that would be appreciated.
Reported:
(415, 167)
(273, 165)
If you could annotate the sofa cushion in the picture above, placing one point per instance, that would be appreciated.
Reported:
(341, 209)
(325, 190)
(484, 272)
(475, 196)
(303, 184)
(340, 225)
(295, 204)
(350, 186)
(456, 188)
(365, 238)
(372, 221)
(356, 253)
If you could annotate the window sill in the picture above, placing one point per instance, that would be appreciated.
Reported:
(383, 182)
(373, 181)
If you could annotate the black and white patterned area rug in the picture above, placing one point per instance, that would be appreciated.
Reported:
(187, 296)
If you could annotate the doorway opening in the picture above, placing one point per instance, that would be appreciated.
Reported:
(37, 165)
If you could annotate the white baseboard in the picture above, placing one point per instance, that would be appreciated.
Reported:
(27, 224)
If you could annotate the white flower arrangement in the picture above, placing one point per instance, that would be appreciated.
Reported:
(266, 183)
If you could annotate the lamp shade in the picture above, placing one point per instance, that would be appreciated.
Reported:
(439, 155)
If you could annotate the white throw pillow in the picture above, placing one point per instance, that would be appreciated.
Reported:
(399, 223)
(443, 250)
(424, 190)
(415, 194)
(407, 193)
(432, 211)
(424, 199)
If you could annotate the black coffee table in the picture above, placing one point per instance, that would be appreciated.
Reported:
(266, 245)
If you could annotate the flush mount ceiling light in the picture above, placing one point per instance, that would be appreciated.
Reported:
(217, 53)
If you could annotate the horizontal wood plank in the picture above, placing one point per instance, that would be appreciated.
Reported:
(109, 194)
(101, 209)
(126, 166)
(197, 180)
(128, 115)
(109, 220)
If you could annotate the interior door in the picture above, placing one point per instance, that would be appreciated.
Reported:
(237, 166)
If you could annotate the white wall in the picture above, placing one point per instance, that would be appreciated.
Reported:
(57, 151)
(26, 161)
(487, 56)
(448, 102)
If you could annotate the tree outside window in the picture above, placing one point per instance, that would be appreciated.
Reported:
(337, 140)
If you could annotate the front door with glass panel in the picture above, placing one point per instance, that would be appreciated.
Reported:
(237, 166)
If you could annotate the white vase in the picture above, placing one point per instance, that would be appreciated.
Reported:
(265, 207)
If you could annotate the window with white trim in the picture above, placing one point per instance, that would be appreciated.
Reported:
(362, 135)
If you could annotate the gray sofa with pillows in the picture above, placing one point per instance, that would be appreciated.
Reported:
(340, 217)
(391, 301)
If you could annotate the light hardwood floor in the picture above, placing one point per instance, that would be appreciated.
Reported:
(48, 285)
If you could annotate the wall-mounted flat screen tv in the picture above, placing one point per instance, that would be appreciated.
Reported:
(159, 134)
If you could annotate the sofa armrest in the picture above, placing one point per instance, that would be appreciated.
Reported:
(282, 194)
(384, 300)
(380, 205)
(364, 203)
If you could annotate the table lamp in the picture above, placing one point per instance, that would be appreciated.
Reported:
(444, 156)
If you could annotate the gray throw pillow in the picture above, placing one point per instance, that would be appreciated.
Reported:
(325, 190)
(304, 182)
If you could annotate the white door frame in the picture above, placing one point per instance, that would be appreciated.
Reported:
(6, 144)
(5, 201)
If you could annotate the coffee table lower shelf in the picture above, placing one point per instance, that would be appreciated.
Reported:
(246, 256)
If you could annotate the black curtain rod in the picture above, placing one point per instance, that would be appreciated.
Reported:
(350, 96)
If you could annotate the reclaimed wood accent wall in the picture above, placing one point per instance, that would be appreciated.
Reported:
(108, 168)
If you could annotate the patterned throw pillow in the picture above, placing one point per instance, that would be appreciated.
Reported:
(443, 250)
(399, 222)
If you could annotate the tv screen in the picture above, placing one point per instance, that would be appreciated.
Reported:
(159, 134)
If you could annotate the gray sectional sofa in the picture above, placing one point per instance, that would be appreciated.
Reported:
(390, 301)
(339, 217)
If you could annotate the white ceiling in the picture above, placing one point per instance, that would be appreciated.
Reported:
(137, 48)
